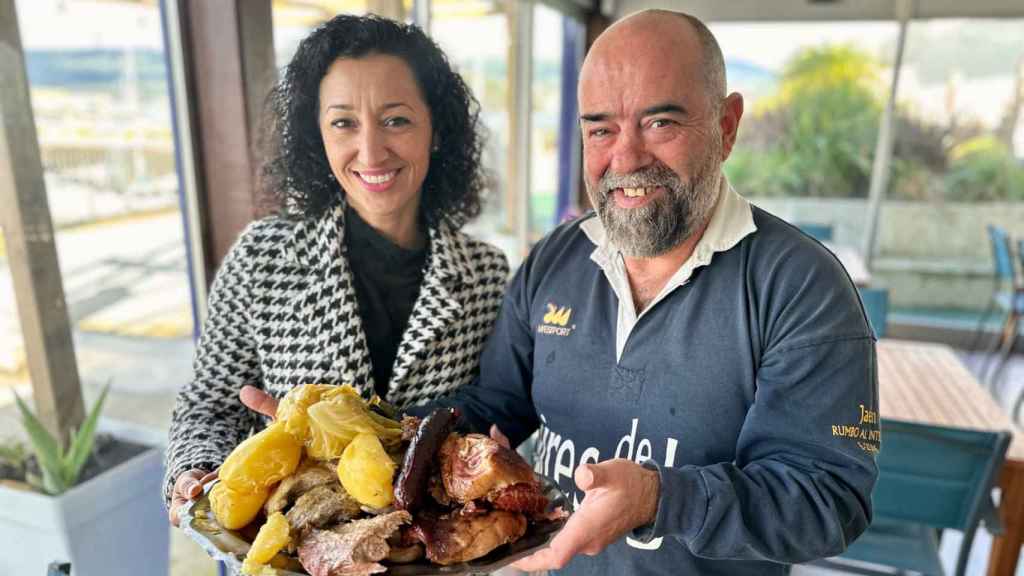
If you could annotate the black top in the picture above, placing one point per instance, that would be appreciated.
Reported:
(387, 280)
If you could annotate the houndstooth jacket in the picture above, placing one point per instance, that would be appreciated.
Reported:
(283, 312)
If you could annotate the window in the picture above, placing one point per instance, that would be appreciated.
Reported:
(98, 82)
(476, 36)
(295, 19)
(554, 147)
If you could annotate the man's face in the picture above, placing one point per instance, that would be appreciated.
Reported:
(652, 144)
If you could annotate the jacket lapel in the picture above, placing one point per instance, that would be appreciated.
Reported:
(436, 306)
(327, 308)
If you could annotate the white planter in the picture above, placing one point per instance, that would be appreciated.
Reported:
(112, 525)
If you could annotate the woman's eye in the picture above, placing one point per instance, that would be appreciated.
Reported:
(396, 121)
(343, 123)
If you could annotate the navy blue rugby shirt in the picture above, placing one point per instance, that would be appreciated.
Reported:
(751, 387)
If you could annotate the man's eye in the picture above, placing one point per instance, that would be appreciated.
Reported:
(396, 121)
(660, 123)
(598, 132)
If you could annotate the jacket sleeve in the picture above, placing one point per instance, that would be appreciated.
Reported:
(501, 393)
(209, 420)
(800, 485)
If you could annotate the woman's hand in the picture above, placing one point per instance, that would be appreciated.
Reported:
(188, 486)
(258, 401)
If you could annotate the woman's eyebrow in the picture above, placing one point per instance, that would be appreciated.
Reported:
(349, 107)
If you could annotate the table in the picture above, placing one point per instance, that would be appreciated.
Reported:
(927, 383)
(850, 258)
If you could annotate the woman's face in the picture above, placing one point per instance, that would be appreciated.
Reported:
(377, 134)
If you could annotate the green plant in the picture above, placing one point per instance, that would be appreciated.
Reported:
(61, 468)
(984, 169)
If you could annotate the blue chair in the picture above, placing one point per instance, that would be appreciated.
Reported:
(1008, 297)
(820, 232)
(1020, 393)
(930, 478)
(876, 306)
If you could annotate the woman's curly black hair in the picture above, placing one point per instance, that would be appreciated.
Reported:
(295, 172)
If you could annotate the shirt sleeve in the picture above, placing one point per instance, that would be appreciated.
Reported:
(209, 420)
(800, 485)
(501, 395)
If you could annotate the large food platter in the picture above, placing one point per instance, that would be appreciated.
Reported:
(230, 546)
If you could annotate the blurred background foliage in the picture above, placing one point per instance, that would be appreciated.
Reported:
(815, 136)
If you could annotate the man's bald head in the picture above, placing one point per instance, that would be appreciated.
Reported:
(671, 34)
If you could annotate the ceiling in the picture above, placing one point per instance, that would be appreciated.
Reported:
(803, 10)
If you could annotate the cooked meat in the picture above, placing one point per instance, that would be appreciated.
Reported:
(435, 486)
(409, 426)
(321, 506)
(405, 555)
(455, 537)
(310, 474)
(474, 465)
(525, 498)
(352, 548)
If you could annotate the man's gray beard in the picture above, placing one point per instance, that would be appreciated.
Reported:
(666, 222)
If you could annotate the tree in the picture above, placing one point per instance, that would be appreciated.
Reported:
(816, 135)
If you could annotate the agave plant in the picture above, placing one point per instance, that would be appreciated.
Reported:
(61, 468)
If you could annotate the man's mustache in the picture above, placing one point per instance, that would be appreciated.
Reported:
(648, 177)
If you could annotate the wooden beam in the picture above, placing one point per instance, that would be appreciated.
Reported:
(31, 251)
(229, 65)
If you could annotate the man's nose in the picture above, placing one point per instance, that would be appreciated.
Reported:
(372, 147)
(629, 153)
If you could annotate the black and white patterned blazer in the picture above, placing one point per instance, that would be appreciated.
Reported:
(283, 312)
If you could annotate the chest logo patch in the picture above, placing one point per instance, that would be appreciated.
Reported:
(556, 321)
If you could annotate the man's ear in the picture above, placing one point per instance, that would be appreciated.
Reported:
(729, 121)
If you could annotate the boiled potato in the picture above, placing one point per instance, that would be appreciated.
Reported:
(235, 509)
(271, 539)
(366, 471)
(262, 460)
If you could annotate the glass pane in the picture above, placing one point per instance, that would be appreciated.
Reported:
(958, 167)
(475, 35)
(294, 19)
(98, 81)
(13, 376)
(548, 71)
(813, 93)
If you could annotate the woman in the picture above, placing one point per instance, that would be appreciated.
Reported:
(363, 277)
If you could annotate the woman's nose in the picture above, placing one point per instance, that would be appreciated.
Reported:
(372, 147)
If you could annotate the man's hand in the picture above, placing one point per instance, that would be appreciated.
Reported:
(258, 401)
(188, 486)
(620, 496)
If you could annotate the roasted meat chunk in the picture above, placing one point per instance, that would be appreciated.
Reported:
(455, 537)
(320, 506)
(352, 548)
(475, 466)
(310, 474)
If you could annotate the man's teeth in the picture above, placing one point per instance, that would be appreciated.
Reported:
(379, 178)
(635, 192)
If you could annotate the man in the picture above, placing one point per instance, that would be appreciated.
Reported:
(684, 329)
(702, 375)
